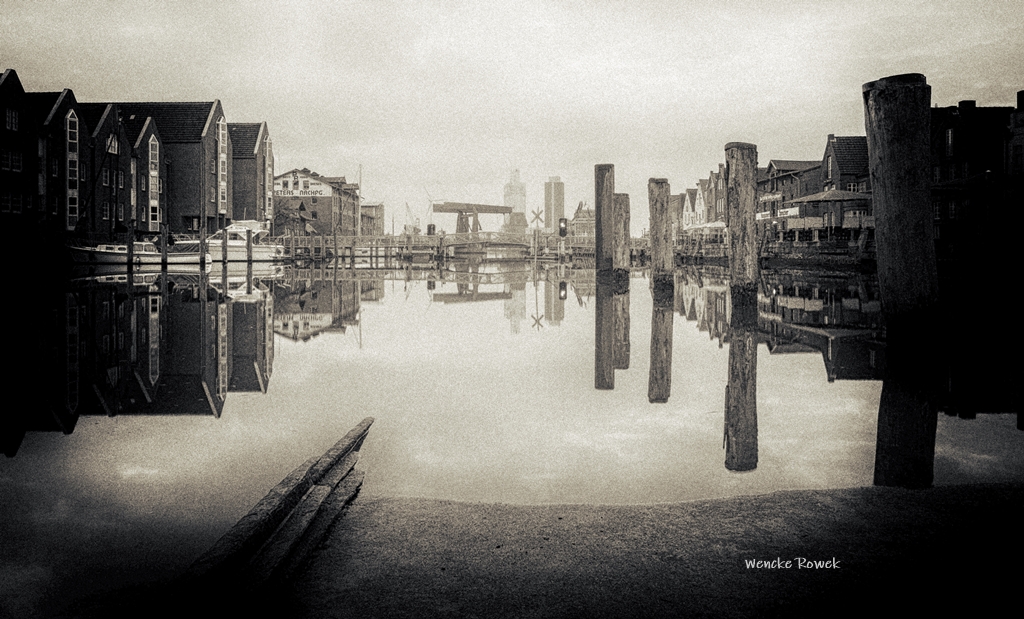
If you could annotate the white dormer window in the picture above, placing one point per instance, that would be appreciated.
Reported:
(112, 146)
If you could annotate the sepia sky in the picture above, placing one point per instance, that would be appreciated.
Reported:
(442, 99)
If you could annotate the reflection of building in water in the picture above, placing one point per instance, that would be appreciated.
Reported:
(252, 335)
(308, 308)
(836, 316)
(515, 306)
(47, 368)
(554, 304)
(705, 300)
(371, 291)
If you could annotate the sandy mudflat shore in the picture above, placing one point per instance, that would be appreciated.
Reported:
(874, 548)
(821, 553)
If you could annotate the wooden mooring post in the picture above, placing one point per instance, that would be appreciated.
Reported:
(744, 273)
(897, 118)
(659, 385)
(604, 216)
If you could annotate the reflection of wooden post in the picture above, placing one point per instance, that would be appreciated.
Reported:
(905, 443)
(898, 123)
(604, 215)
(604, 336)
(620, 242)
(741, 211)
(741, 402)
(659, 381)
(620, 307)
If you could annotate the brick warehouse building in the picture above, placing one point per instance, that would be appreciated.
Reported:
(253, 162)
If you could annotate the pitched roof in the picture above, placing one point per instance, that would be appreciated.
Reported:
(178, 122)
(833, 195)
(245, 139)
(42, 103)
(92, 114)
(851, 154)
(791, 165)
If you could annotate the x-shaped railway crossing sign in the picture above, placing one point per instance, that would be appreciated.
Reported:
(536, 321)
(538, 217)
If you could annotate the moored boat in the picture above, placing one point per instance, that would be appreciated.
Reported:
(142, 253)
(235, 239)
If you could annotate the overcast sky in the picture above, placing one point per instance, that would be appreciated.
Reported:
(442, 99)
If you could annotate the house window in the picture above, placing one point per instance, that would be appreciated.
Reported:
(222, 154)
(851, 186)
(5, 203)
(71, 137)
(120, 179)
(949, 142)
(120, 211)
(952, 209)
(12, 119)
(284, 185)
(106, 177)
(106, 210)
(305, 184)
(112, 147)
(16, 203)
(5, 160)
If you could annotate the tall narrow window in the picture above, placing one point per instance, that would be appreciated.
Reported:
(828, 165)
(222, 156)
(155, 216)
(12, 119)
(71, 137)
(949, 142)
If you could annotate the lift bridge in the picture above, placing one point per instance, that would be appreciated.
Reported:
(469, 214)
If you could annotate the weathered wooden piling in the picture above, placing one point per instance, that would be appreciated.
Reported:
(604, 333)
(897, 118)
(604, 215)
(621, 261)
(741, 212)
(662, 259)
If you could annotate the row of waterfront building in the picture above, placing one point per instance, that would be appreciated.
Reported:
(104, 171)
(977, 162)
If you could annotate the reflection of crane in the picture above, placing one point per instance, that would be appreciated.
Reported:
(412, 224)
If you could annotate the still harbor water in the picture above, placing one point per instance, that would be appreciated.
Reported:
(165, 408)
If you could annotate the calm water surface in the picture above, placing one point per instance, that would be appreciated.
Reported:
(481, 391)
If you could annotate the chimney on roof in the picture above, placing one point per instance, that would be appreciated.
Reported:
(1020, 100)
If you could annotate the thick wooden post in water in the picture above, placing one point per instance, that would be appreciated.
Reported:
(741, 212)
(620, 241)
(224, 247)
(662, 260)
(248, 245)
(604, 215)
(898, 123)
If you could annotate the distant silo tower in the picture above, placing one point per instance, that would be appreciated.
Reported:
(515, 197)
